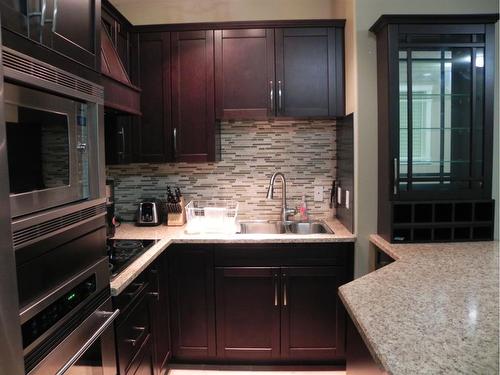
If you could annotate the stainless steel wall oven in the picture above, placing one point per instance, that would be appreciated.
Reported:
(53, 141)
(55, 148)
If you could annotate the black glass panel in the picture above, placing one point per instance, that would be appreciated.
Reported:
(38, 149)
(440, 115)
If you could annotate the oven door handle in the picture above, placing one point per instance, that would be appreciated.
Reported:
(111, 317)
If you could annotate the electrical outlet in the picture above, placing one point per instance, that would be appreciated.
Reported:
(318, 193)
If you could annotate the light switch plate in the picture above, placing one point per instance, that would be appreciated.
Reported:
(318, 193)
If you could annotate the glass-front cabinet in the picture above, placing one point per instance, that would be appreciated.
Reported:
(436, 77)
(441, 114)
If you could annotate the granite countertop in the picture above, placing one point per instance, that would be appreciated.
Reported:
(170, 235)
(433, 311)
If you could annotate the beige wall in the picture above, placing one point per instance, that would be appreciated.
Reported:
(143, 12)
(366, 13)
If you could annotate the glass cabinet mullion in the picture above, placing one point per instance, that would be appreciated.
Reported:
(409, 105)
(472, 112)
(442, 119)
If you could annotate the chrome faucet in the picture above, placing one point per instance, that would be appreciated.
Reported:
(285, 212)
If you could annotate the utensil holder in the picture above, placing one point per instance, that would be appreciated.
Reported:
(176, 215)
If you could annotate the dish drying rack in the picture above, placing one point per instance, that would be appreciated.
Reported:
(211, 216)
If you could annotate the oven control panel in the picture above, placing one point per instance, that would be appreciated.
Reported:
(48, 317)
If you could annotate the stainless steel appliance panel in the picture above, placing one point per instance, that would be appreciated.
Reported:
(48, 145)
(35, 87)
(89, 349)
(11, 357)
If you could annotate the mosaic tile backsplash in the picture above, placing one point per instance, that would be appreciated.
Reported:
(251, 151)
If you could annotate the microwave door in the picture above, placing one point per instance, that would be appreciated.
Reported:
(47, 141)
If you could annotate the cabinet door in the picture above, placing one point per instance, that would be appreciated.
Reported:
(143, 362)
(193, 108)
(160, 313)
(440, 153)
(15, 15)
(73, 29)
(244, 73)
(310, 72)
(154, 142)
(118, 138)
(248, 313)
(192, 303)
(131, 333)
(312, 317)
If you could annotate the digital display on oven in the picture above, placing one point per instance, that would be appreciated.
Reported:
(48, 317)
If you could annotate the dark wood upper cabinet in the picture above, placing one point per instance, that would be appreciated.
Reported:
(244, 73)
(15, 15)
(153, 135)
(193, 117)
(72, 28)
(192, 303)
(313, 319)
(120, 30)
(310, 72)
(248, 313)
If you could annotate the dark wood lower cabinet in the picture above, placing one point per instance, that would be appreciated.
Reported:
(192, 303)
(133, 328)
(143, 363)
(241, 304)
(248, 313)
(312, 316)
(160, 314)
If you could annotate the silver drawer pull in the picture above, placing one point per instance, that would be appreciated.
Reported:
(138, 339)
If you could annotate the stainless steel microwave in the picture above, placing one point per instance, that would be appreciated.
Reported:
(52, 121)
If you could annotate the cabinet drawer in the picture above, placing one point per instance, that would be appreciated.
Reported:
(291, 254)
(132, 332)
(133, 292)
(143, 361)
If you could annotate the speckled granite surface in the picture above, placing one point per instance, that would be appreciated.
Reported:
(433, 311)
(169, 235)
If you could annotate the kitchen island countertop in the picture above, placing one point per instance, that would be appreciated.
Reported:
(435, 310)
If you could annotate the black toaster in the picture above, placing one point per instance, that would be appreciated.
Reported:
(150, 212)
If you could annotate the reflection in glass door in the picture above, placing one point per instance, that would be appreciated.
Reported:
(440, 135)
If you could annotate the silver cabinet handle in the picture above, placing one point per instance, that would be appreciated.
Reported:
(155, 295)
(271, 94)
(54, 17)
(285, 302)
(175, 141)
(395, 176)
(90, 341)
(275, 290)
(279, 96)
(121, 132)
(44, 9)
(141, 331)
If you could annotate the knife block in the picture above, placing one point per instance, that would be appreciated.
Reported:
(177, 219)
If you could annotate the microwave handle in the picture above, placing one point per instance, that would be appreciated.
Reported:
(112, 316)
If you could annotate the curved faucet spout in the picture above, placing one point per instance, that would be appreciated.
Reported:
(270, 194)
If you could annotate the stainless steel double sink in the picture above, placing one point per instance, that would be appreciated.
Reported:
(284, 227)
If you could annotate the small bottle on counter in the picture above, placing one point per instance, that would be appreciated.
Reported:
(303, 209)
